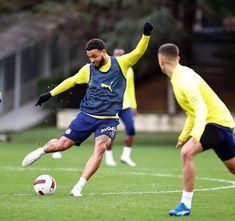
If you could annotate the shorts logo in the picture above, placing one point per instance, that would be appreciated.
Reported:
(112, 129)
(68, 131)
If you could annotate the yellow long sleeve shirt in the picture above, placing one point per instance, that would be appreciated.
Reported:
(129, 100)
(125, 61)
(199, 102)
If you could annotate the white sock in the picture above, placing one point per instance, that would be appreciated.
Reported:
(81, 183)
(41, 151)
(187, 198)
(126, 152)
(109, 154)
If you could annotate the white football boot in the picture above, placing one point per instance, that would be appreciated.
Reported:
(32, 157)
(76, 191)
(128, 161)
(56, 155)
(109, 161)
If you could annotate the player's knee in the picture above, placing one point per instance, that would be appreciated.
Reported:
(130, 131)
(186, 155)
(103, 142)
(101, 148)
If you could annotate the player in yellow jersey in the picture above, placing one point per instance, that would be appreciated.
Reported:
(127, 114)
(106, 80)
(209, 123)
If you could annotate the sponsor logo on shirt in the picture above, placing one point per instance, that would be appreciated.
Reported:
(107, 86)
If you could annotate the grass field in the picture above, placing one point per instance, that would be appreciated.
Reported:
(145, 192)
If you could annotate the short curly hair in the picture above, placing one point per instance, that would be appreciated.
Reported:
(95, 43)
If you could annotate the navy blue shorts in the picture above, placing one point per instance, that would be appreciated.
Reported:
(84, 125)
(127, 117)
(220, 139)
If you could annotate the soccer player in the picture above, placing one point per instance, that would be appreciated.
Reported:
(106, 79)
(209, 123)
(129, 110)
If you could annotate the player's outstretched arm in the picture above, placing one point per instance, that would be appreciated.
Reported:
(132, 57)
(43, 98)
(80, 78)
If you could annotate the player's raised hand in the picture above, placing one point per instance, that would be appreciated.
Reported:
(43, 98)
(148, 27)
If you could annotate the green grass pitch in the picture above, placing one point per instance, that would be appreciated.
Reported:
(121, 193)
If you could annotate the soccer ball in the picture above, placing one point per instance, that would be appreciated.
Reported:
(44, 185)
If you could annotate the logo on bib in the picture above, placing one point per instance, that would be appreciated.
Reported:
(107, 86)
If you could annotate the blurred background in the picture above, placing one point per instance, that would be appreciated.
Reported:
(43, 42)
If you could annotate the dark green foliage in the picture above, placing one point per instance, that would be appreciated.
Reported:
(224, 7)
(17, 5)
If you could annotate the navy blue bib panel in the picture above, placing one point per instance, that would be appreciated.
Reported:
(104, 95)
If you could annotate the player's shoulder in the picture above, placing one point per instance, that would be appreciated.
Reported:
(185, 77)
(84, 69)
(185, 69)
(186, 73)
(122, 58)
(86, 66)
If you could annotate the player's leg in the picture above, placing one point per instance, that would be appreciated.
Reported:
(53, 145)
(211, 137)
(127, 117)
(104, 132)
(75, 134)
(92, 164)
(189, 150)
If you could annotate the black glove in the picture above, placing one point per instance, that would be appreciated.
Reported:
(148, 27)
(43, 98)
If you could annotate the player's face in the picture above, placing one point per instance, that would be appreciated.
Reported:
(96, 57)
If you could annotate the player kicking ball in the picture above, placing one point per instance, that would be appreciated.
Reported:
(106, 79)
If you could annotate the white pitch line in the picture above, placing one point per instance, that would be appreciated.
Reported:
(137, 173)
